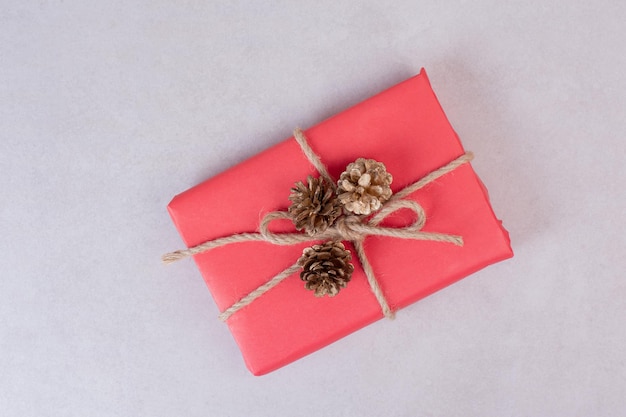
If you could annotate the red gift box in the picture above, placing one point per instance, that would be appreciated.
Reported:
(405, 128)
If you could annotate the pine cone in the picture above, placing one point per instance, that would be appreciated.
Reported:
(364, 186)
(314, 207)
(326, 268)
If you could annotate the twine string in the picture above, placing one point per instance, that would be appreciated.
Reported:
(348, 228)
(313, 158)
(372, 281)
(248, 299)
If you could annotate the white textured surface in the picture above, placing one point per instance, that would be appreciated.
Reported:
(109, 109)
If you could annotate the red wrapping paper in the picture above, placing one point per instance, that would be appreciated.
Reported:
(405, 128)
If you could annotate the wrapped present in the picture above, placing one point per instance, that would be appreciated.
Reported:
(260, 252)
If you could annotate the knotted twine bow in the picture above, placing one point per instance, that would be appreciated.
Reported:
(349, 227)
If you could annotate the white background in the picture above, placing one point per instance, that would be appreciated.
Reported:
(108, 109)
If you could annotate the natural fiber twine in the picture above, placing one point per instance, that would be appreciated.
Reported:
(349, 228)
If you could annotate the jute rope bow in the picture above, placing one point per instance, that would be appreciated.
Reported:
(350, 228)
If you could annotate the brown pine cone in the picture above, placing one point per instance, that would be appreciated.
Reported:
(314, 206)
(326, 268)
(364, 186)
